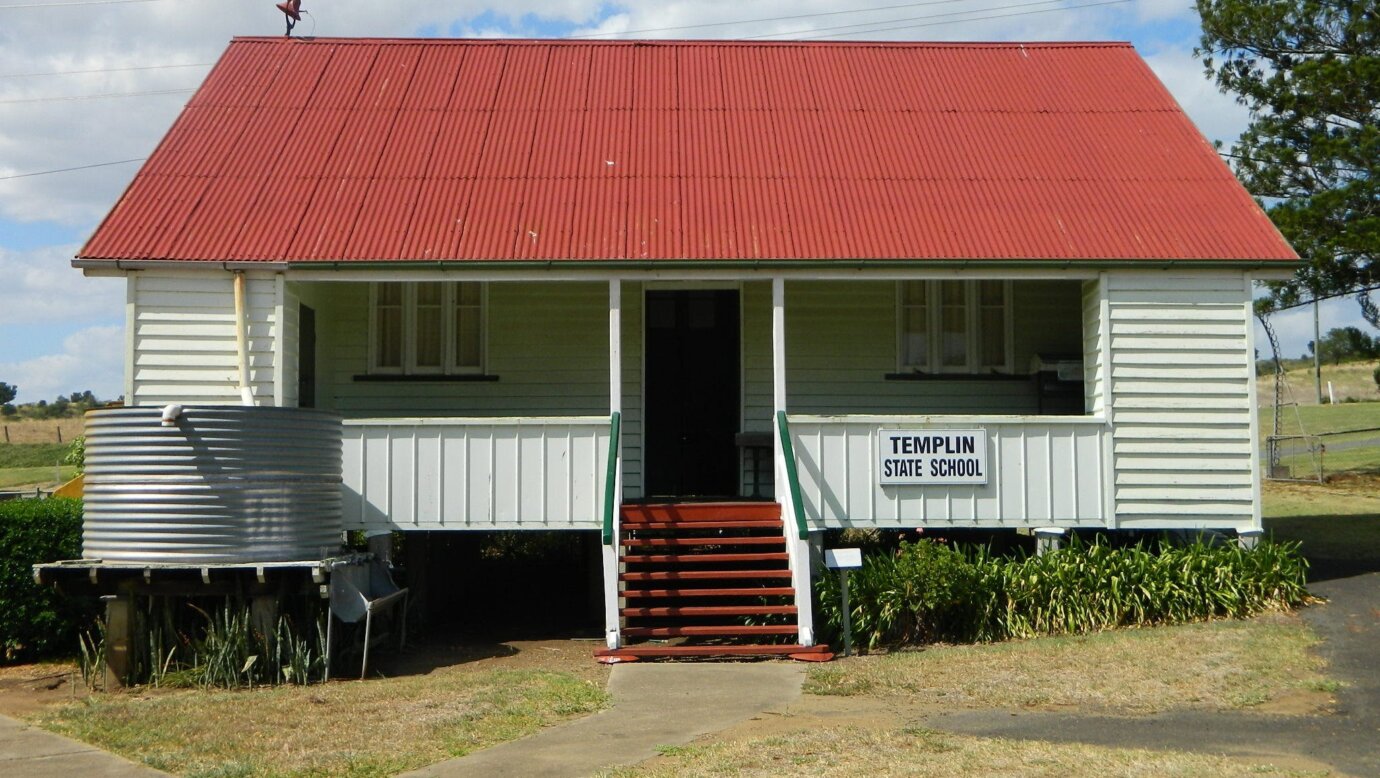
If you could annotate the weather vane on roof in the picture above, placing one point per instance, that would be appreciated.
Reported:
(292, 9)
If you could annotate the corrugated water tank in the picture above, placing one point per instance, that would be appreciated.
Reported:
(219, 484)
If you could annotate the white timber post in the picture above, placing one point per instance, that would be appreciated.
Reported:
(612, 631)
(797, 545)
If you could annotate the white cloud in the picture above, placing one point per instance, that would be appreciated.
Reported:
(1217, 115)
(91, 358)
(42, 287)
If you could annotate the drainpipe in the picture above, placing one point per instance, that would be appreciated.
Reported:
(242, 340)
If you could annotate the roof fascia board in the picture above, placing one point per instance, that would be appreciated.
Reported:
(677, 269)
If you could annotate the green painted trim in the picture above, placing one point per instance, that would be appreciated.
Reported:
(611, 478)
(788, 451)
(780, 264)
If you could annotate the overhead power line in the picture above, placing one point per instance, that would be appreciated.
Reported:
(106, 70)
(960, 21)
(767, 19)
(908, 19)
(99, 96)
(70, 169)
(67, 3)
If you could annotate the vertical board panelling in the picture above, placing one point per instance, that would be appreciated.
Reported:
(1029, 459)
(1180, 389)
(538, 473)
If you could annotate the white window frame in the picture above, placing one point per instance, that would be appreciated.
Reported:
(409, 331)
(972, 334)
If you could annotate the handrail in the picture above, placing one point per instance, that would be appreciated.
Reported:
(792, 478)
(611, 479)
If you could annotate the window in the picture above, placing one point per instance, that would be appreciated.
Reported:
(954, 326)
(427, 328)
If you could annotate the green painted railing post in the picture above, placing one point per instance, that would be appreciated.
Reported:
(792, 478)
(611, 478)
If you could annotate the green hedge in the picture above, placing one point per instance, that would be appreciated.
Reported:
(936, 592)
(35, 620)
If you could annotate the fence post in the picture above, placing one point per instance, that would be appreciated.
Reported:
(59, 432)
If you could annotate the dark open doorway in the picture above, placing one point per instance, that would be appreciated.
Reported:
(692, 393)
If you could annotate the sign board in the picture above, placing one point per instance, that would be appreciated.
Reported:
(932, 457)
(842, 558)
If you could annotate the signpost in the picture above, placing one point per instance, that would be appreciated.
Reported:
(843, 560)
(932, 457)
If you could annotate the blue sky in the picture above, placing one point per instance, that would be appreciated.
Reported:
(60, 332)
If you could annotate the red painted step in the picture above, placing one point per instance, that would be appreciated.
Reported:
(710, 610)
(725, 524)
(725, 630)
(749, 591)
(700, 511)
(703, 575)
(804, 653)
(726, 541)
(774, 556)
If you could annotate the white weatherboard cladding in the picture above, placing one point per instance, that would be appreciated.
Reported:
(182, 338)
(1181, 406)
(529, 473)
(1045, 470)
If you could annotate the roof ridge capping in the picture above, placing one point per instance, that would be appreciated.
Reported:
(711, 42)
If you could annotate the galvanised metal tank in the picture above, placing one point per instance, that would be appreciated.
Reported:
(219, 484)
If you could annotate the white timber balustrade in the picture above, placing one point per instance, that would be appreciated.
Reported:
(479, 473)
(1043, 471)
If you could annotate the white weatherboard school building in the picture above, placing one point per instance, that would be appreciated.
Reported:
(639, 288)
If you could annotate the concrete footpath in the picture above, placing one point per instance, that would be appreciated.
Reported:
(34, 753)
(653, 705)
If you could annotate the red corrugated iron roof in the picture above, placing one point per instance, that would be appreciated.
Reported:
(351, 149)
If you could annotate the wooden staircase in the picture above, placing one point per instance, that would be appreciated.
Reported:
(706, 580)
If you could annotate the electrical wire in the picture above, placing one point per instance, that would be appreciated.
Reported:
(106, 70)
(960, 21)
(99, 96)
(767, 19)
(70, 169)
(69, 3)
(905, 19)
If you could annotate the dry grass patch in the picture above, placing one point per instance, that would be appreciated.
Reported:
(1216, 665)
(347, 728)
(853, 751)
(41, 430)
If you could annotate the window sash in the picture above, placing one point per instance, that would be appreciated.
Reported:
(436, 328)
(966, 326)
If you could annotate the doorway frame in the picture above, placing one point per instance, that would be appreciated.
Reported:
(690, 286)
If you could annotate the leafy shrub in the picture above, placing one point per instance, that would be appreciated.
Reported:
(37, 620)
(1376, 375)
(76, 454)
(934, 592)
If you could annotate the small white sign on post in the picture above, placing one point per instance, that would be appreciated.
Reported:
(842, 558)
(932, 457)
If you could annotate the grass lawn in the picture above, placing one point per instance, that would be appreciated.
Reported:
(32, 454)
(1216, 665)
(28, 476)
(1336, 520)
(346, 728)
(917, 751)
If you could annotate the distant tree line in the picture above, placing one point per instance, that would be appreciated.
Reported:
(1345, 344)
(63, 406)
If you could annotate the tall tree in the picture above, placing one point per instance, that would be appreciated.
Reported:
(1309, 71)
(8, 392)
